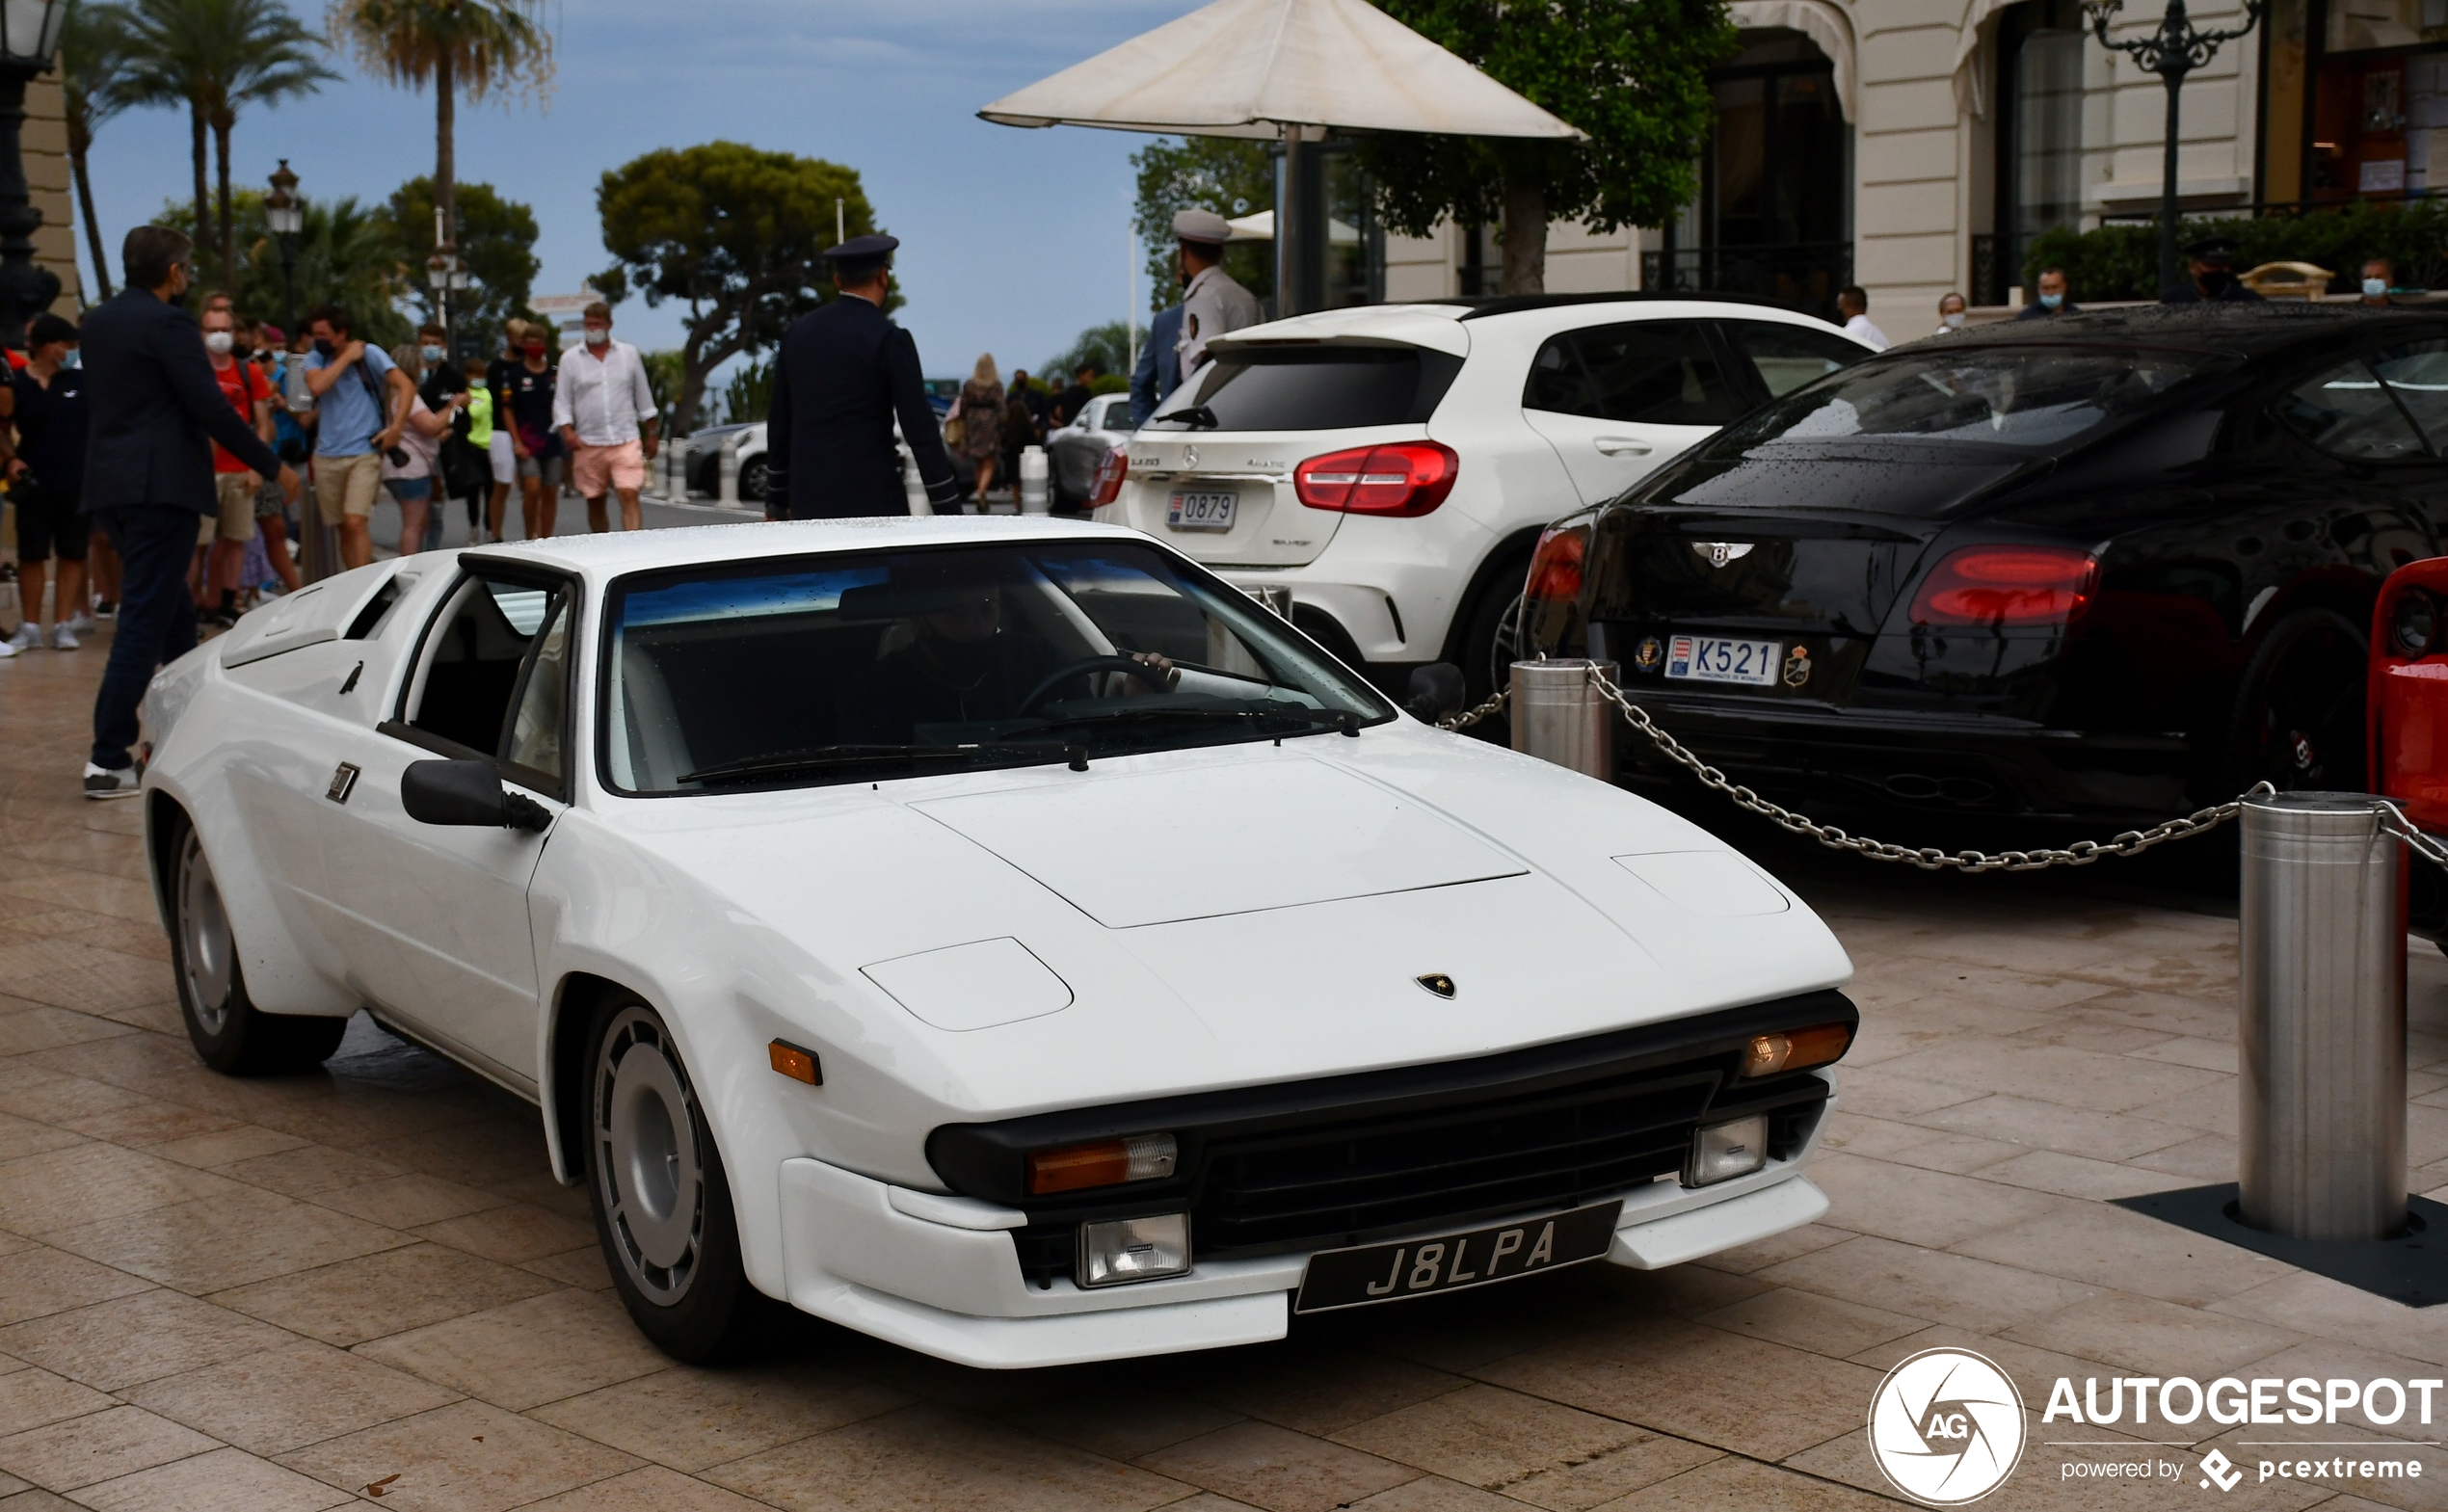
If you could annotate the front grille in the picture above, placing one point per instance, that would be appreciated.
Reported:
(1335, 1185)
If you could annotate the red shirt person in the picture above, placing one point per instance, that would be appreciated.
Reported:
(234, 483)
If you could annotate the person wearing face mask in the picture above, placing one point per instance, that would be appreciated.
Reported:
(156, 411)
(2053, 301)
(2210, 261)
(2378, 275)
(225, 543)
(604, 411)
(46, 482)
(533, 440)
(361, 405)
(1951, 314)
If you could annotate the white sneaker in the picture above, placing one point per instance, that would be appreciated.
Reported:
(81, 622)
(29, 637)
(8, 649)
(102, 782)
(63, 639)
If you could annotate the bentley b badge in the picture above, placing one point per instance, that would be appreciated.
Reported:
(1720, 552)
(1437, 982)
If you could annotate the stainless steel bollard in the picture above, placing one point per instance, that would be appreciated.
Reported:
(1557, 716)
(1032, 481)
(2324, 1019)
(727, 473)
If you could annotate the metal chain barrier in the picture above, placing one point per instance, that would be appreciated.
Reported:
(2081, 853)
(2426, 846)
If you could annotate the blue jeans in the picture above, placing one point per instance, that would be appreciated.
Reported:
(156, 615)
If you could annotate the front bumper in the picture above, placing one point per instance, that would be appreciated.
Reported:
(940, 1275)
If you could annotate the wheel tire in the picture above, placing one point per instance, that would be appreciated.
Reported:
(662, 1204)
(1490, 643)
(2299, 712)
(230, 1034)
(752, 482)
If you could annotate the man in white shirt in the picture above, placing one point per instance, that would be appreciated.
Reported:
(606, 414)
(1213, 303)
(1854, 305)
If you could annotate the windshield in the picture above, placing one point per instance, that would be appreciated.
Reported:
(1310, 388)
(868, 666)
(2008, 401)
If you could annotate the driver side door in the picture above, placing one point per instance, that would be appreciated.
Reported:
(435, 917)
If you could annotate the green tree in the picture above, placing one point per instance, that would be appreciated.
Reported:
(93, 80)
(346, 255)
(1632, 73)
(218, 57)
(664, 381)
(749, 392)
(1108, 346)
(734, 233)
(1225, 174)
(496, 247)
(470, 48)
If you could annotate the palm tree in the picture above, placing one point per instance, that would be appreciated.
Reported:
(471, 47)
(218, 57)
(93, 66)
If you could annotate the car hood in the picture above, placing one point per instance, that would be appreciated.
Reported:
(1015, 941)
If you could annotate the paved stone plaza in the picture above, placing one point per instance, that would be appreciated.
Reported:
(268, 1295)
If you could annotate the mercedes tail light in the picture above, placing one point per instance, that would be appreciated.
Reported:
(2008, 586)
(1403, 478)
(1111, 472)
(1555, 569)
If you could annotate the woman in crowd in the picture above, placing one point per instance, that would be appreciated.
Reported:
(409, 468)
(981, 415)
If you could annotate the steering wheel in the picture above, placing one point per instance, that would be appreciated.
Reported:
(1085, 665)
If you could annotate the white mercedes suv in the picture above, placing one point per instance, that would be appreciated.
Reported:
(1392, 464)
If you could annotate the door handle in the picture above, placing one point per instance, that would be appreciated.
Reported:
(1623, 447)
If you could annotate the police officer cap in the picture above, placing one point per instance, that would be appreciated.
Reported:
(1200, 225)
(864, 250)
(2213, 249)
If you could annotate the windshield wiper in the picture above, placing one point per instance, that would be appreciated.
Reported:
(1197, 416)
(1322, 719)
(821, 757)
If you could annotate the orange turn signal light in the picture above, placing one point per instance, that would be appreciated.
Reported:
(1108, 1162)
(1796, 1050)
(799, 1064)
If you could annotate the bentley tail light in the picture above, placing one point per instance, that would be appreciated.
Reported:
(2008, 586)
(1796, 1050)
(1111, 472)
(1404, 478)
(1555, 569)
(1108, 1162)
(2414, 625)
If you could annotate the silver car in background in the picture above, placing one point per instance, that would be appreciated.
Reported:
(1074, 451)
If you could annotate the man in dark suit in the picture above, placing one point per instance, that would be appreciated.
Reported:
(1160, 370)
(155, 409)
(844, 374)
(2210, 264)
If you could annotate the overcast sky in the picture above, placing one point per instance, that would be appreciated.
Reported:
(1013, 241)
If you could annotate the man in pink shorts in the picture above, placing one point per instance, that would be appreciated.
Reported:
(606, 414)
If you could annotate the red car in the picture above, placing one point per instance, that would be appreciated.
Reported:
(2406, 703)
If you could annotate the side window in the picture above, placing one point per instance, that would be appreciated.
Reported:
(1558, 382)
(474, 656)
(1787, 357)
(2417, 374)
(535, 730)
(1657, 372)
(2346, 413)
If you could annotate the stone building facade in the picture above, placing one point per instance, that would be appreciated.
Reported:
(47, 171)
(1915, 147)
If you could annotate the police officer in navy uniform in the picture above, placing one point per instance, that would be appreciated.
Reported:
(844, 374)
(2209, 261)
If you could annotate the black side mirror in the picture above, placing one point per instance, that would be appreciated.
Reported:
(1436, 691)
(469, 793)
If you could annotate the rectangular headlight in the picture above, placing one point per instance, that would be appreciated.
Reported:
(1722, 1151)
(1108, 1162)
(1133, 1249)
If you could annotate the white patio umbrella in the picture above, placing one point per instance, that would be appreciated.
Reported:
(1293, 70)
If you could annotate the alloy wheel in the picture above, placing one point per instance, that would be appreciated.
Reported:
(2310, 730)
(649, 1169)
(208, 950)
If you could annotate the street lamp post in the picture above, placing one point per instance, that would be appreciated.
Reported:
(2171, 52)
(286, 218)
(29, 40)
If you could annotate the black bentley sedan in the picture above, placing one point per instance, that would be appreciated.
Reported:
(2111, 568)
